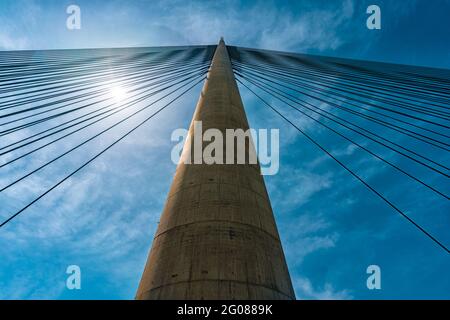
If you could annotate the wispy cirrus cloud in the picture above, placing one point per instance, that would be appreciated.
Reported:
(104, 218)
(8, 42)
(263, 24)
(305, 290)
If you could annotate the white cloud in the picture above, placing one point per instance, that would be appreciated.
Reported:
(306, 234)
(265, 24)
(304, 289)
(313, 29)
(261, 24)
(306, 185)
(8, 42)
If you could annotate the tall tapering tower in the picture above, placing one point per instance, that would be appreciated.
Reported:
(217, 237)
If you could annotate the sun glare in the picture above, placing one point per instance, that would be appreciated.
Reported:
(118, 93)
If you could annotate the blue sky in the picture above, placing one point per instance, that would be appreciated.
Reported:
(332, 227)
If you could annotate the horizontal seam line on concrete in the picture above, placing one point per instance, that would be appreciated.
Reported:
(220, 280)
(218, 220)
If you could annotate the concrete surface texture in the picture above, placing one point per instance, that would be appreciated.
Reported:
(217, 237)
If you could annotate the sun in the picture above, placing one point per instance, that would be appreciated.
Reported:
(118, 93)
